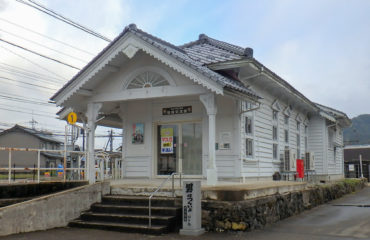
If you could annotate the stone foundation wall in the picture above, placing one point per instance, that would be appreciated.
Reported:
(251, 214)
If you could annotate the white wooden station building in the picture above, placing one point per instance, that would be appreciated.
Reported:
(207, 109)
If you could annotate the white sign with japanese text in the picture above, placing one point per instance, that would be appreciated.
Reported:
(191, 209)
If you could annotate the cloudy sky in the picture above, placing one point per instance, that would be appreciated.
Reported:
(321, 47)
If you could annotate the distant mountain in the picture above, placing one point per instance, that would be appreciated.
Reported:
(359, 132)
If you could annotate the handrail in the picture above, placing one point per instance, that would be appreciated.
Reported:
(159, 187)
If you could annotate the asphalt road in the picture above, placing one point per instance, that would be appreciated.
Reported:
(345, 218)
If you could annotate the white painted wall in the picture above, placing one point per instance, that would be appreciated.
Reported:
(316, 143)
(262, 163)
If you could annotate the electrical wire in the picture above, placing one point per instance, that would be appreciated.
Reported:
(18, 111)
(24, 108)
(31, 84)
(58, 16)
(35, 74)
(15, 73)
(47, 37)
(22, 96)
(49, 48)
(38, 65)
(23, 100)
(39, 54)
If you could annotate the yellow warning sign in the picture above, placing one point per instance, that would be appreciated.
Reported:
(72, 118)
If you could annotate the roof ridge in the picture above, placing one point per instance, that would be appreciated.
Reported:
(203, 38)
(133, 27)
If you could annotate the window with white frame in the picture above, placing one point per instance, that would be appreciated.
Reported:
(274, 133)
(286, 120)
(274, 115)
(286, 136)
(298, 126)
(274, 151)
(248, 125)
(249, 147)
(298, 145)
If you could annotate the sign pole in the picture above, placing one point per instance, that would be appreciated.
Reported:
(362, 174)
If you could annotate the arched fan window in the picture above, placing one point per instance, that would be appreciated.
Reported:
(147, 80)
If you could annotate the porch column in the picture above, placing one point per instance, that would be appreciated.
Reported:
(91, 114)
(122, 114)
(209, 103)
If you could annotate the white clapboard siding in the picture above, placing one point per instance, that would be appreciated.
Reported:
(226, 165)
(138, 166)
(316, 134)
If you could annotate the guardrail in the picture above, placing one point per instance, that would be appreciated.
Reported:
(158, 188)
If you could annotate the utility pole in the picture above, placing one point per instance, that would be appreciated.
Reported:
(111, 140)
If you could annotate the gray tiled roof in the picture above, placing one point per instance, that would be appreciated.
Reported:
(206, 54)
(48, 137)
(208, 50)
(184, 55)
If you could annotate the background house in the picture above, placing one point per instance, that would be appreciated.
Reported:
(352, 161)
(22, 137)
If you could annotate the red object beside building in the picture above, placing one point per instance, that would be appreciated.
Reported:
(300, 168)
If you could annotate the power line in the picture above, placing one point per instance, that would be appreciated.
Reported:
(60, 17)
(29, 73)
(24, 100)
(39, 54)
(22, 96)
(31, 84)
(57, 51)
(30, 77)
(18, 107)
(38, 65)
(18, 111)
(47, 37)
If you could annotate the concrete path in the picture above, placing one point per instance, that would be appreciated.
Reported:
(345, 218)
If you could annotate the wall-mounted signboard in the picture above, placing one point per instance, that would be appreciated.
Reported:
(177, 110)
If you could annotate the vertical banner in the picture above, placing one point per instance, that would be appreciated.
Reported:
(300, 168)
(167, 141)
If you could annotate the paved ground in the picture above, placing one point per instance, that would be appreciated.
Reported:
(345, 218)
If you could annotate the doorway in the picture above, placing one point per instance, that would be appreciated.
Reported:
(179, 148)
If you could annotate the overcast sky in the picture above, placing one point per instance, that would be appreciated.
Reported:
(321, 47)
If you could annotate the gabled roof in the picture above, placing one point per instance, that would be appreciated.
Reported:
(48, 137)
(178, 53)
(336, 114)
(208, 50)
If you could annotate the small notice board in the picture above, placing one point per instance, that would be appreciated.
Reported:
(167, 141)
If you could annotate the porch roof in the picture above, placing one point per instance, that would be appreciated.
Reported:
(171, 50)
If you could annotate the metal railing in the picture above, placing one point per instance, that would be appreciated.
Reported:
(158, 188)
(38, 168)
(79, 171)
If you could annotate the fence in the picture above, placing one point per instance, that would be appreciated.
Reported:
(105, 166)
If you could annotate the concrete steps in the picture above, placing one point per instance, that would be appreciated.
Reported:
(131, 214)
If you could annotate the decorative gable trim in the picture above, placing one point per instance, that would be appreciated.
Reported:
(306, 121)
(299, 118)
(276, 106)
(130, 51)
(133, 42)
(287, 111)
